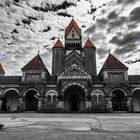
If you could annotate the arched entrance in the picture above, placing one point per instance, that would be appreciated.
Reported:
(119, 100)
(31, 100)
(74, 99)
(10, 101)
(136, 100)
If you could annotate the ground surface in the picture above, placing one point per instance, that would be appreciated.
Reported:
(82, 126)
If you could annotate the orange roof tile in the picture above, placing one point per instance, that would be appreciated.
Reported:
(35, 63)
(72, 24)
(89, 44)
(113, 63)
(1, 69)
(58, 44)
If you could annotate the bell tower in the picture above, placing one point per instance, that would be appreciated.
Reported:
(73, 36)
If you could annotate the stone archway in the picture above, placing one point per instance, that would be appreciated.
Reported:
(31, 100)
(136, 100)
(119, 100)
(74, 99)
(10, 100)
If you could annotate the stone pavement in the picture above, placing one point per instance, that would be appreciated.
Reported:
(67, 121)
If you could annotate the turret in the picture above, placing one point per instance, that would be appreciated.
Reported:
(89, 52)
(58, 58)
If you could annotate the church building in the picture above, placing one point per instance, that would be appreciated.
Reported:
(74, 85)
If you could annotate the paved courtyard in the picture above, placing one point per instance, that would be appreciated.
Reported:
(73, 126)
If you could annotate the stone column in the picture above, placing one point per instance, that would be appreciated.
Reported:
(88, 104)
(39, 104)
(1, 98)
(23, 104)
(130, 104)
(45, 103)
(1, 102)
(61, 105)
(108, 104)
(19, 104)
(57, 103)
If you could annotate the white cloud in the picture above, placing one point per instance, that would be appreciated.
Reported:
(17, 49)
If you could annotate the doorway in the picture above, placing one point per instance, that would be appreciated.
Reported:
(31, 101)
(74, 99)
(119, 100)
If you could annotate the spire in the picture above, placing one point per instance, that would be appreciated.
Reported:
(113, 63)
(89, 43)
(35, 63)
(58, 44)
(73, 24)
(2, 72)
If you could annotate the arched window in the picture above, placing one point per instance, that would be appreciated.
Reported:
(54, 99)
(49, 98)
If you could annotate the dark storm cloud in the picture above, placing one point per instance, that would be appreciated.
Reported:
(117, 23)
(135, 14)
(125, 49)
(112, 15)
(102, 52)
(125, 1)
(131, 26)
(102, 22)
(91, 29)
(132, 61)
(127, 39)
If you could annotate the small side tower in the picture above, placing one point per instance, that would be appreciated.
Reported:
(89, 52)
(2, 72)
(58, 58)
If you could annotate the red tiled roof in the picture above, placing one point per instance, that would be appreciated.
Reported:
(113, 63)
(72, 24)
(35, 63)
(1, 69)
(89, 44)
(58, 44)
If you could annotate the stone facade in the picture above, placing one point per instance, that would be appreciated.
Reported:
(74, 85)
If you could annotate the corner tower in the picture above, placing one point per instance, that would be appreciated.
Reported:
(89, 52)
(73, 36)
(58, 58)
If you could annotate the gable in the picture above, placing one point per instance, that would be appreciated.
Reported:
(73, 24)
(74, 72)
(73, 34)
(74, 57)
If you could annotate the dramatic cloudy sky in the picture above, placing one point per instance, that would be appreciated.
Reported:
(27, 26)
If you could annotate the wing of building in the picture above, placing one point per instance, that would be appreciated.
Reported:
(74, 85)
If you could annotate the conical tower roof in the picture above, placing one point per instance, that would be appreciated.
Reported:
(113, 63)
(73, 24)
(58, 44)
(89, 44)
(35, 63)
